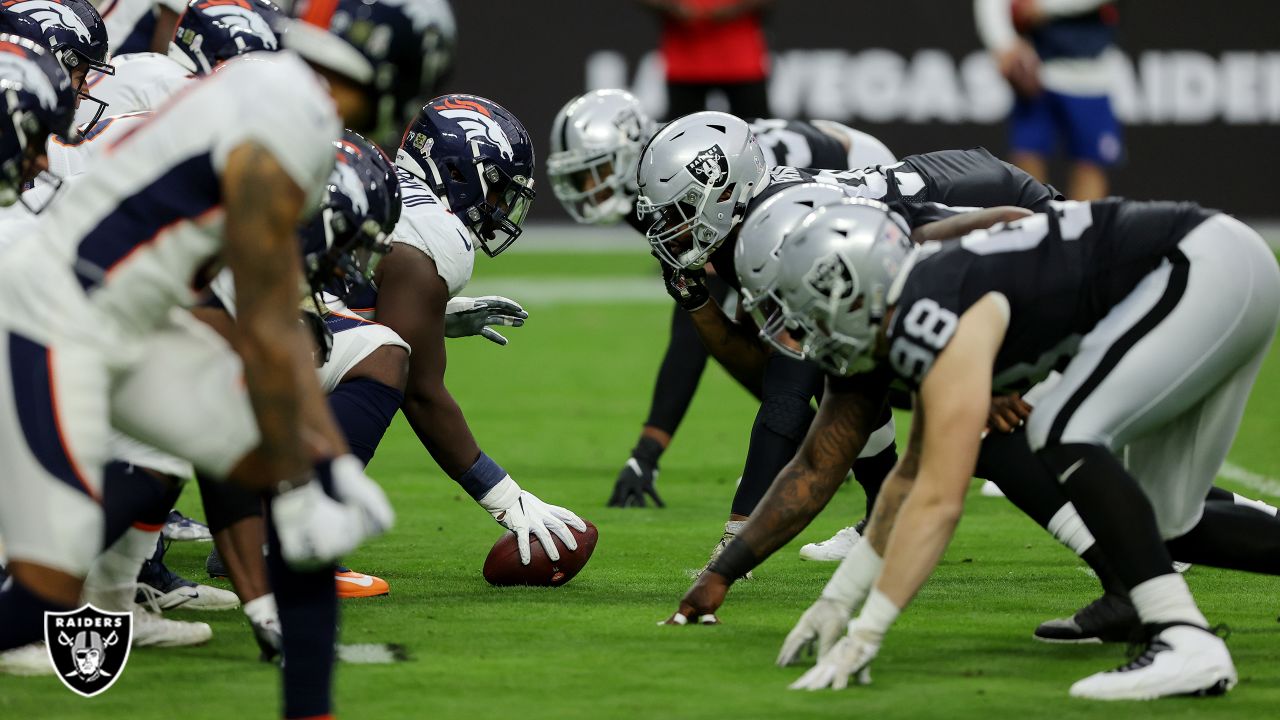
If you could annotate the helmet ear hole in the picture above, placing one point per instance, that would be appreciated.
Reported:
(454, 173)
(728, 192)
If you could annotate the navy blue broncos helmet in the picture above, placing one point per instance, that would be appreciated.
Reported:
(214, 31)
(74, 32)
(345, 239)
(408, 43)
(35, 100)
(478, 157)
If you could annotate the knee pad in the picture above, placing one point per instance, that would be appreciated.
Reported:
(226, 503)
(787, 415)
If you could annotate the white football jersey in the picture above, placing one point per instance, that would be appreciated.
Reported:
(426, 224)
(121, 16)
(68, 159)
(142, 230)
(142, 81)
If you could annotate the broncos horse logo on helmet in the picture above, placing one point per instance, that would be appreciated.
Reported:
(214, 31)
(345, 239)
(478, 123)
(72, 30)
(477, 158)
(36, 99)
(409, 43)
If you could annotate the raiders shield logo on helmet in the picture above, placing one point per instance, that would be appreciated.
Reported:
(831, 275)
(88, 647)
(710, 167)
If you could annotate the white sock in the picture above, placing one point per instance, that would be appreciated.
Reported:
(1069, 529)
(733, 527)
(262, 609)
(118, 567)
(852, 580)
(1255, 504)
(1165, 599)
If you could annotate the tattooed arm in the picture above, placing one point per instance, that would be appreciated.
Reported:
(845, 420)
(736, 346)
(262, 207)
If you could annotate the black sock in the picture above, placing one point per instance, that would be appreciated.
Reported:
(1217, 493)
(22, 615)
(1231, 536)
(364, 409)
(308, 606)
(1006, 460)
(226, 503)
(678, 376)
(1114, 508)
(128, 494)
(871, 472)
(781, 423)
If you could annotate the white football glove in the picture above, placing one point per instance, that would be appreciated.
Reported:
(852, 655)
(522, 513)
(316, 530)
(464, 317)
(820, 625)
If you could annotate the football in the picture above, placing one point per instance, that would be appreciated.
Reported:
(503, 567)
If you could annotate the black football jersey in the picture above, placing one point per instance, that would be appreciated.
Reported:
(1062, 271)
(920, 188)
(796, 143)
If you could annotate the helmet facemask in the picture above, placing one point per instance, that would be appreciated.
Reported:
(683, 238)
(506, 203)
(79, 66)
(594, 186)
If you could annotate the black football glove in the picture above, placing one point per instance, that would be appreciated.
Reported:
(687, 287)
(638, 475)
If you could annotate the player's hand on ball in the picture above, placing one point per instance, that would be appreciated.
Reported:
(699, 605)
(851, 656)
(521, 512)
(464, 317)
(817, 630)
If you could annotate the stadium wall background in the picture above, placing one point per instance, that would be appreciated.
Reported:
(1197, 83)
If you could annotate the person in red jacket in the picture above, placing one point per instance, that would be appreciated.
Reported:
(714, 45)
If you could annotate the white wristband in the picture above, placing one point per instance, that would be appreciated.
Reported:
(852, 581)
(876, 617)
(502, 496)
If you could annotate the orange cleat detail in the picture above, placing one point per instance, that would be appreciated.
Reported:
(352, 584)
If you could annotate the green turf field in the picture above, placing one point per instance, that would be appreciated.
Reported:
(560, 408)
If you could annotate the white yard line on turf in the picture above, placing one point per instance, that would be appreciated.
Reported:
(1252, 480)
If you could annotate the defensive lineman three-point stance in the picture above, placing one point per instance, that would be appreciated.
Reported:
(958, 320)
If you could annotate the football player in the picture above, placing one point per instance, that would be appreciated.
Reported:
(704, 174)
(465, 167)
(960, 320)
(73, 31)
(217, 177)
(596, 141)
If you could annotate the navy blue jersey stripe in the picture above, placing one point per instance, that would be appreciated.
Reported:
(35, 399)
(338, 323)
(186, 191)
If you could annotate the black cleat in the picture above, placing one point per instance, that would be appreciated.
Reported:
(1110, 618)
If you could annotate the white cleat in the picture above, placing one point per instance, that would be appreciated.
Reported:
(151, 630)
(990, 489)
(187, 597)
(1181, 566)
(27, 661)
(833, 549)
(1180, 660)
